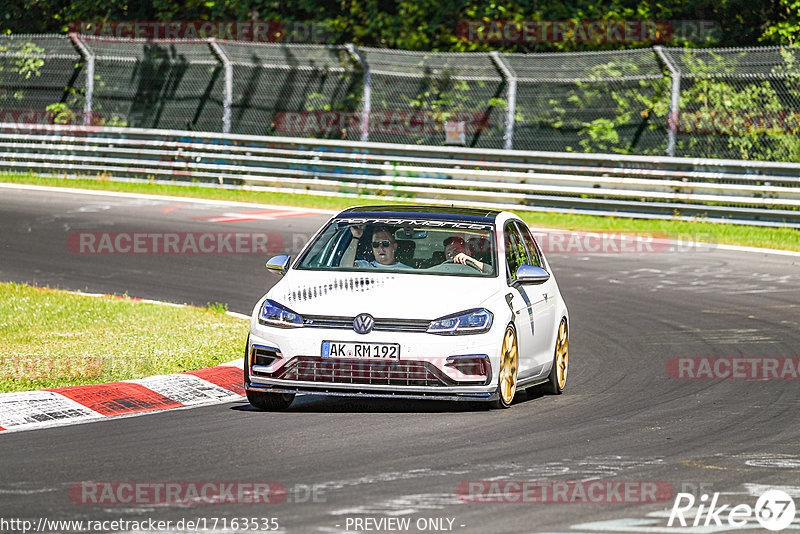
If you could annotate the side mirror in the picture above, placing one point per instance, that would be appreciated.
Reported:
(278, 264)
(528, 274)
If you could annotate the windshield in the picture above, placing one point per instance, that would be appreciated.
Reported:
(404, 245)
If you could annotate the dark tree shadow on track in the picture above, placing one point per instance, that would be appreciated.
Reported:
(335, 404)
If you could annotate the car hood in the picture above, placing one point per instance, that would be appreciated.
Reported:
(384, 295)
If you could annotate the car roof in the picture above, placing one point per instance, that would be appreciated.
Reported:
(436, 212)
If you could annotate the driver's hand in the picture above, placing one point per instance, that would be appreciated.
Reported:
(463, 258)
(357, 230)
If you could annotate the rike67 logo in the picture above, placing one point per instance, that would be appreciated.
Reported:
(774, 510)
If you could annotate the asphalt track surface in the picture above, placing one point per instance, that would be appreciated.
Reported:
(622, 417)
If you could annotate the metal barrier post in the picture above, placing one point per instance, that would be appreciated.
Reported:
(88, 57)
(511, 104)
(366, 97)
(227, 97)
(674, 101)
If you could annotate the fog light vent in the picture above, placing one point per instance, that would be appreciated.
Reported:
(261, 355)
(471, 364)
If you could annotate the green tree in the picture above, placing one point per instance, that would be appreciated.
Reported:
(19, 62)
(785, 29)
(732, 117)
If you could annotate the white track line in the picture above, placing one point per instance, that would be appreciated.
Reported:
(91, 192)
(237, 315)
(187, 200)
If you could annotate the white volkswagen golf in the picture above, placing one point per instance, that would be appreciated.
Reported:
(410, 302)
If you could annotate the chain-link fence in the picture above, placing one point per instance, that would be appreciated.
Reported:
(718, 103)
(414, 95)
(155, 84)
(736, 103)
(39, 77)
(590, 102)
(281, 89)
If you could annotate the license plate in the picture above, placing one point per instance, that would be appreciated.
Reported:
(369, 351)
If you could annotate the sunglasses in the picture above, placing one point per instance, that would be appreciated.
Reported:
(385, 244)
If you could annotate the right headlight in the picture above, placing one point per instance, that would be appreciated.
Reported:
(466, 322)
(275, 314)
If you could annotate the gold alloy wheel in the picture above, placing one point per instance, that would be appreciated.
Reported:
(562, 355)
(508, 368)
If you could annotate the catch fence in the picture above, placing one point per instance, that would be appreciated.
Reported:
(740, 104)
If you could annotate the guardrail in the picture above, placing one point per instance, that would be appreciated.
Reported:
(757, 193)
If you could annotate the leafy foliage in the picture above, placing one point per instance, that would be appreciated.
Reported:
(433, 25)
(740, 118)
(592, 114)
(21, 61)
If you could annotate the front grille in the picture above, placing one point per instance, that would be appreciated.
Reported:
(346, 323)
(404, 373)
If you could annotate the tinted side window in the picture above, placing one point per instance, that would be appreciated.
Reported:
(516, 254)
(534, 256)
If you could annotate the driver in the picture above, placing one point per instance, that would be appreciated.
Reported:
(455, 250)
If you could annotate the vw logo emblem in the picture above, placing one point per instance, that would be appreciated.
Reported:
(363, 323)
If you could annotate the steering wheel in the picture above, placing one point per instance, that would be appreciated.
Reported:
(471, 262)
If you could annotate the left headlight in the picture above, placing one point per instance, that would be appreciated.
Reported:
(274, 314)
(467, 322)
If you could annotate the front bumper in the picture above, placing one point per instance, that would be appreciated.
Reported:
(450, 394)
(420, 373)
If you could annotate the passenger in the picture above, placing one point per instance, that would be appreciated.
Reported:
(384, 248)
(455, 250)
(349, 256)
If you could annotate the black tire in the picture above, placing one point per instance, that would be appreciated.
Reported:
(270, 401)
(557, 379)
(509, 367)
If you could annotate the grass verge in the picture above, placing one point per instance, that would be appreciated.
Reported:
(732, 234)
(51, 338)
